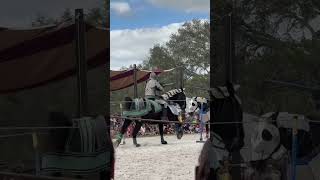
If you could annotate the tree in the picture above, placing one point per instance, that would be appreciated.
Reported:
(274, 40)
(188, 49)
(96, 16)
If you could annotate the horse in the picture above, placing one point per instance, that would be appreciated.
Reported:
(194, 105)
(268, 145)
(171, 102)
(267, 140)
(227, 136)
(273, 139)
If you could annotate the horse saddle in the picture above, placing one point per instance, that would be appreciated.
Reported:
(141, 107)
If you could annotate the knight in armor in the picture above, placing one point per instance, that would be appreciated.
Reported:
(153, 87)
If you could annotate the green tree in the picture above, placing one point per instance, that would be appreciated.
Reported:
(96, 16)
(188, 49)
(274, 40)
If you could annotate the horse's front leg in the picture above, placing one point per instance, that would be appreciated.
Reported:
(136, 130)
(207, 130)
(123, 130)
(161, 134)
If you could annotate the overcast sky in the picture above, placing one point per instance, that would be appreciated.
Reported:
(137, 25)
(21, 13)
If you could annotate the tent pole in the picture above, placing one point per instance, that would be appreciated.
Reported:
(81, 63)
(211, 63)
(135, 81)
(229, 48)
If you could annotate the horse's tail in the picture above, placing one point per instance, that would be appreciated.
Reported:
(127, 103)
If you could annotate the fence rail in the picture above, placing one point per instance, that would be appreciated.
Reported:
(215, 123)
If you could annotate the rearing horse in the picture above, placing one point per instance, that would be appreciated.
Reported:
(167, 109)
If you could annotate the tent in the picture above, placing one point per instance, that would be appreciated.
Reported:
(34, 57)
(38, 68)
(123, 79)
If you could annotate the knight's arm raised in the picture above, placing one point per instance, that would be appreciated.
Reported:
(158, 85)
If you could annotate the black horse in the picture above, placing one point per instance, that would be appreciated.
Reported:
(175, 96)
(225, 106)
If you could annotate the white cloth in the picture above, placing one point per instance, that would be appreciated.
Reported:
(175, 109)
(262, 148)
(287, 120)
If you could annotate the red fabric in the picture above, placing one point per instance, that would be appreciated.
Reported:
(35, 57)
(123, 79)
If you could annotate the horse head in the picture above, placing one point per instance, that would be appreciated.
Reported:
(306, 143)
(178, 97)
(194, 105)
(226, 107)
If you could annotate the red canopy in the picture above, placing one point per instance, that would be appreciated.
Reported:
(123, 79)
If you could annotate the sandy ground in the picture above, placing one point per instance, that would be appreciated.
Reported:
(154, 161)
(177, 159)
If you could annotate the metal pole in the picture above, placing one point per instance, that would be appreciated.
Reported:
(135, 91)
(36, 151)
(181, 77)
(294, 149)
(81, 62)
(201, 123)
(229, 48)
(212, 77)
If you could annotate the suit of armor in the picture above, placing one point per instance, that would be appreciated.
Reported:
(153, 87)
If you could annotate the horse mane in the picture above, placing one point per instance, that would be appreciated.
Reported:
(171, 93)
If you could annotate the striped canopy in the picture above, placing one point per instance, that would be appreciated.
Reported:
(123, 79)
(34, 57)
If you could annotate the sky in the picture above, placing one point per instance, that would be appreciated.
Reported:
(21, 13)
(137, 25)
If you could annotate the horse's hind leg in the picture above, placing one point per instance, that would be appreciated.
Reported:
(161, 133)
(136, 130)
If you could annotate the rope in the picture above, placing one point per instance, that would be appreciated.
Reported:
(117, 102)
(38, 128)
(19, 134)
(215, 123)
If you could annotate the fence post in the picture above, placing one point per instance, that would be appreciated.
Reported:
(81, 62)
(36, 151)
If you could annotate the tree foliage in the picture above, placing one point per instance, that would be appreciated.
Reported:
(187, 49)
(274, 40)
(96, 16)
